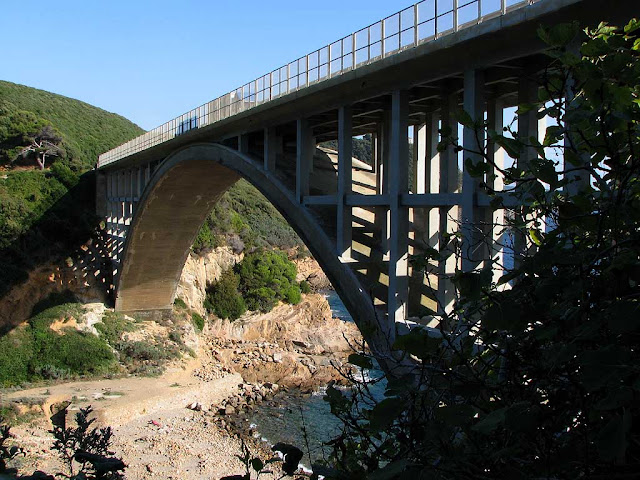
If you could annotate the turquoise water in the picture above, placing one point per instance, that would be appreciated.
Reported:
(292, 414)
(337, 307)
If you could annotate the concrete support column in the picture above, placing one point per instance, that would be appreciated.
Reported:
(495, 181)
(243, 143)
(473, 244)
(447, 172)
(527, 127)
(378, 157)
(305, 147)
(420, 177)
(345, 168)
(398, 215)
(270, 149)
(102, 200)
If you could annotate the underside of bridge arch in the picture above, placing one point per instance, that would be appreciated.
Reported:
(179, 196)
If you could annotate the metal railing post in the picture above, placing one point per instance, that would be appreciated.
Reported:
(455, 15)
(435, 20)
(415, 25)
(353, 50)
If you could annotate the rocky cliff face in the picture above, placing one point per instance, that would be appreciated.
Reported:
(309, 270)
(293, 345)
(201, 271)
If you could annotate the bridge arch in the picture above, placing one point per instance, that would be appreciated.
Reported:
(179, 196)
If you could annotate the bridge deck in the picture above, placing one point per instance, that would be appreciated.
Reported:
(412, 34)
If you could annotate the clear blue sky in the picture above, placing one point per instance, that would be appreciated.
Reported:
(153, 60)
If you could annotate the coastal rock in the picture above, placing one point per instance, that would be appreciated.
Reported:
(202, 270)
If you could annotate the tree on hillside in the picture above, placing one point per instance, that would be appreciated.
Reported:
(46, 142)
(540, 380)
(25, 136)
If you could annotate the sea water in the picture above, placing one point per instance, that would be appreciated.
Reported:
(305, 420)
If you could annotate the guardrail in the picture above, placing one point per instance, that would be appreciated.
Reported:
(408, 28)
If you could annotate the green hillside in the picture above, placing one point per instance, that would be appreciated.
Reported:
(47, 213)
(87, 131)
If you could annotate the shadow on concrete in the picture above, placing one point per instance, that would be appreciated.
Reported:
(64, 243)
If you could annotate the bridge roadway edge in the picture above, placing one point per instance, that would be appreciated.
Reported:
(488, 43)
(377, 332)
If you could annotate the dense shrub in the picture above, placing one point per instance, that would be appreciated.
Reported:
(64, 174)
(244, 213)
(305, 287)
(261, 299)
(261, 280)
(223, 297)
(197, 320)
(292, 294)
(267, 277)
(112, 327)
(35, 351)
(179, 303)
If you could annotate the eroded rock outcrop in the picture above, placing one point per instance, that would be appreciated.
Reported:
(200, 271)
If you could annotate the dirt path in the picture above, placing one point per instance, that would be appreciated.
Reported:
(154, 432)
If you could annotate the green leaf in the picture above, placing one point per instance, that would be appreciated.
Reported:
(545, 170)
(611, 439)
(257, 464)
(559, 35)
(418, 342)
(536, 236)
(616, 398)
(386, 412)
(489, 423)
(455, 415)
(361, 361)
(595, 48)
(504, 314)
(512, 147)
(391, 471)
(476, 170)
(553, 134)
(632, 26)
(471, 284)
(624, 316)
(465, 119)
(496, 202)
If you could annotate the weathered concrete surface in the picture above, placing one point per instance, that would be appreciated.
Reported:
(181, 195)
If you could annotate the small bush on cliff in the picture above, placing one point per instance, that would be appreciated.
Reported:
(223, 297)
(112, 327)
(197, 320)
(261, 280)
(267, 277)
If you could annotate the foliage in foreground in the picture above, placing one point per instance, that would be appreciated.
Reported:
(84, 450)
(540, 380)
(257, 283)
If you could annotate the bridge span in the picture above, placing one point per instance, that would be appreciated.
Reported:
(401, 80)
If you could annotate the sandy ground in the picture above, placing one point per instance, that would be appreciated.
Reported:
(154, 432)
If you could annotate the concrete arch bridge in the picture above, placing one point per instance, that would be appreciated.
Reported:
(400, 80)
